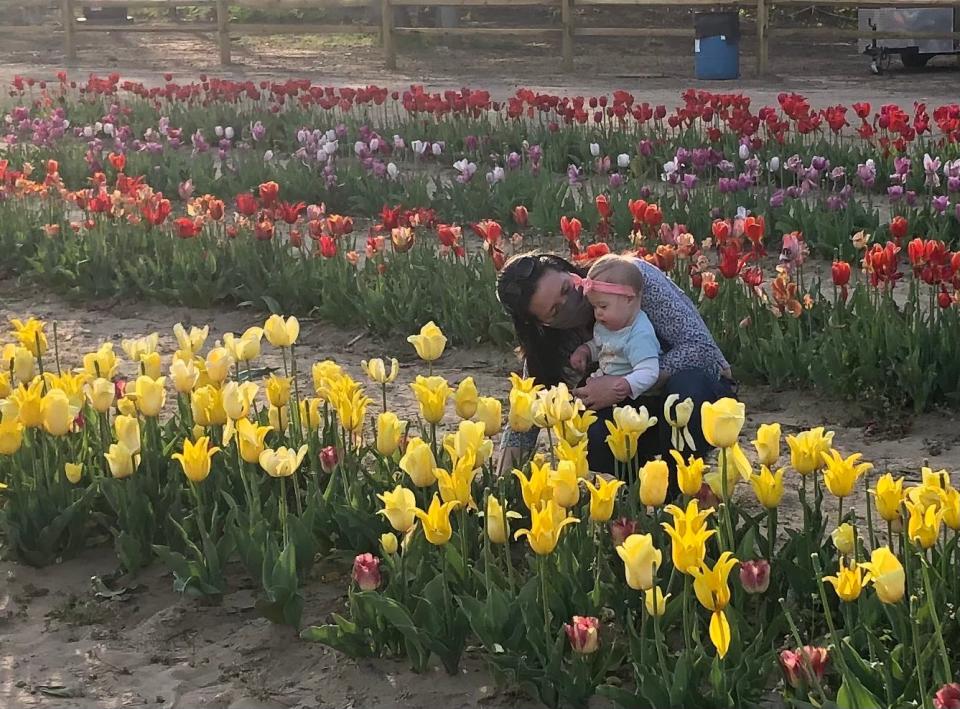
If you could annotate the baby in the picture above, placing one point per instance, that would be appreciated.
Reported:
(624, 343)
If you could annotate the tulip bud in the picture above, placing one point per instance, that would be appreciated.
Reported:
(755, 576)
(707, 497)
(366, 572)
(802, 666)
(329, 458)
(844, 539)
(623, 160)
(388, 542)
(583, 634)
(654, 479)
(655, 602)
(520, 216)
(620, 529)
(744, 151)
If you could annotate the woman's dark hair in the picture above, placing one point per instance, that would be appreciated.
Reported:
(546, 350)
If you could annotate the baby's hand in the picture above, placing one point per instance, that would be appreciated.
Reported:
(580, 358)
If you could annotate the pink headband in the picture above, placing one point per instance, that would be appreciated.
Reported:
(589, 284)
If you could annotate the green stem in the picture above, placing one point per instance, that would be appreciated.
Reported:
(546, 604)
(283, 510)
(771, 532)
(917, 658)
(932, 608)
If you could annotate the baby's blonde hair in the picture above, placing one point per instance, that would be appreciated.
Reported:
(613, 268)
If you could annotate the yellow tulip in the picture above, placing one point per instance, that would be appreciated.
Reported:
(565, 485)
(418, 462)
(602, 498)
(127, 407)
(70, 384)
(11, 436)
(20, 361)
(654, 479)
(844, 539)
(456, 486)
(689, 473)
(29, 403)
(184, 375)
(655, 602)
(768, 487)
(325, 376)
(923, 526)
(885, 572)
(190, 342)
(520, 418)
(545, 526)
(136, 348)
(310, 413)
(282, 462)
(432, 394)
(280, 332)
(206, 403)
(713, 592)
(237, 399)
(889, 496)
(246, 347)
(73, 472)
(251, 439)
(806, 449)
(217, 364)
(390, 430)
(722, 421)
(623, 444)
(553, 406)
(689, 543)
(527, 386)
(951, 509)
(122, 461)
(5, 386)
(497, 520)
(939, 479)
(352, 409)
(535, 489)
(58, 415)
(469, 440)
(841, 474)
(388, 543)
(278, 390)
(466, 398)
(767, 444)
(690, 518)
(490, 414)
(680, 436)
(127, 429)
(101, 364)
(430, 343)
(575, 430)
(848, 583)
(377, 372)
(30, 334)
(715, 478)
(436, 521)
(576, 454)
(640, 561)
(399, 507)
(196, 459)
(633, 420)
(150, 365)
(150, 395)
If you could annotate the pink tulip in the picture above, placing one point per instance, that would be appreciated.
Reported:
(755, 576)
(583, 634)
(366, 572)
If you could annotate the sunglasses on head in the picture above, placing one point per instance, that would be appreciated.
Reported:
(509, 293)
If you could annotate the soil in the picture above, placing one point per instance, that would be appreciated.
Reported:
(62, 646)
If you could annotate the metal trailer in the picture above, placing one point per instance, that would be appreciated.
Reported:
(914, 53)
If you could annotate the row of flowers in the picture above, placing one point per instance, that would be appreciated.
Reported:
(569, 584)
(853, 328)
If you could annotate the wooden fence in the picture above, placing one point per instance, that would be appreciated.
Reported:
(567, 29)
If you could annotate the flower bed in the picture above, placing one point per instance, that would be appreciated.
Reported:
(605, 589)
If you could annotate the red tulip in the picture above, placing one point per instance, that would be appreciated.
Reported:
(637, 208)
(290, 213)
(520, 216)
(263, 229)
(862, 109)
(755, 576)
(186, 228)
(268, 193)
(652, 216)
(944, 299)
(490, 231)
(339, 225)
(711, 289)
(840, 272)
(720, 230)
(448, 235)
(752, 276)
(948, 696)
(329, 458)
(571, 228)
(899, 227)
(156, 211)
(216, 209)
(328, 247)
(802, 666)
(620, 529)
(119, 388)
(118, 161)
(366, 572)
(754, 228)
(603, 206)
(246, 204)
(583, 634)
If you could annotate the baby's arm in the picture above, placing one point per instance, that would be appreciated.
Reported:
(644, 376)
(643, 352)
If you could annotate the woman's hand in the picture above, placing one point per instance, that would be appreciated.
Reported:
(601, 392)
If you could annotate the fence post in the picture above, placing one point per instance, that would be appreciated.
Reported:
(223, 31)
(386, 25)
(69, 24)
(566, 18)
(762, 39)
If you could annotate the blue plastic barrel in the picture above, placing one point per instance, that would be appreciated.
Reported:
(717, 45)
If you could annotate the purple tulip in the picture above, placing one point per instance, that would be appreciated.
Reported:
(911, 198)
(778, 198)
(835, 203)
(513, 161)
(645, 148)
(940, 204)
(953, 184)
(689, 181)
(867, 173)
(819, 163)
(199, 142)
(258, 131)
(573, 175)
(901, 165)
(895, 193)
(615, 181)
(793, 192)
(471, 143)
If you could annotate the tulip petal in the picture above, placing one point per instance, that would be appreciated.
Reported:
(720, 632)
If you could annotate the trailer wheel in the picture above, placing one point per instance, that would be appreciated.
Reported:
(915, 60)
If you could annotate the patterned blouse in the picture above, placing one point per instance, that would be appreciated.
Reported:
(685, 340)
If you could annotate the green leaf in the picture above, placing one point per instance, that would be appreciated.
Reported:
(853, 695)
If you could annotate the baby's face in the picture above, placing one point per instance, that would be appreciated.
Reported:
(614, 312)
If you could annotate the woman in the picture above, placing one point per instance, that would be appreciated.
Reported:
(552, 318)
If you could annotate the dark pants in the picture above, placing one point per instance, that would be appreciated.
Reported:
(693, 383)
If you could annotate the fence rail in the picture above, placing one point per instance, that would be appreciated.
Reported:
(566, 27)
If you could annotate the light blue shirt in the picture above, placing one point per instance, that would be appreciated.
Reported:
(619, 352)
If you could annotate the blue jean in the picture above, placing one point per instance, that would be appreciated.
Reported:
(694, 383)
